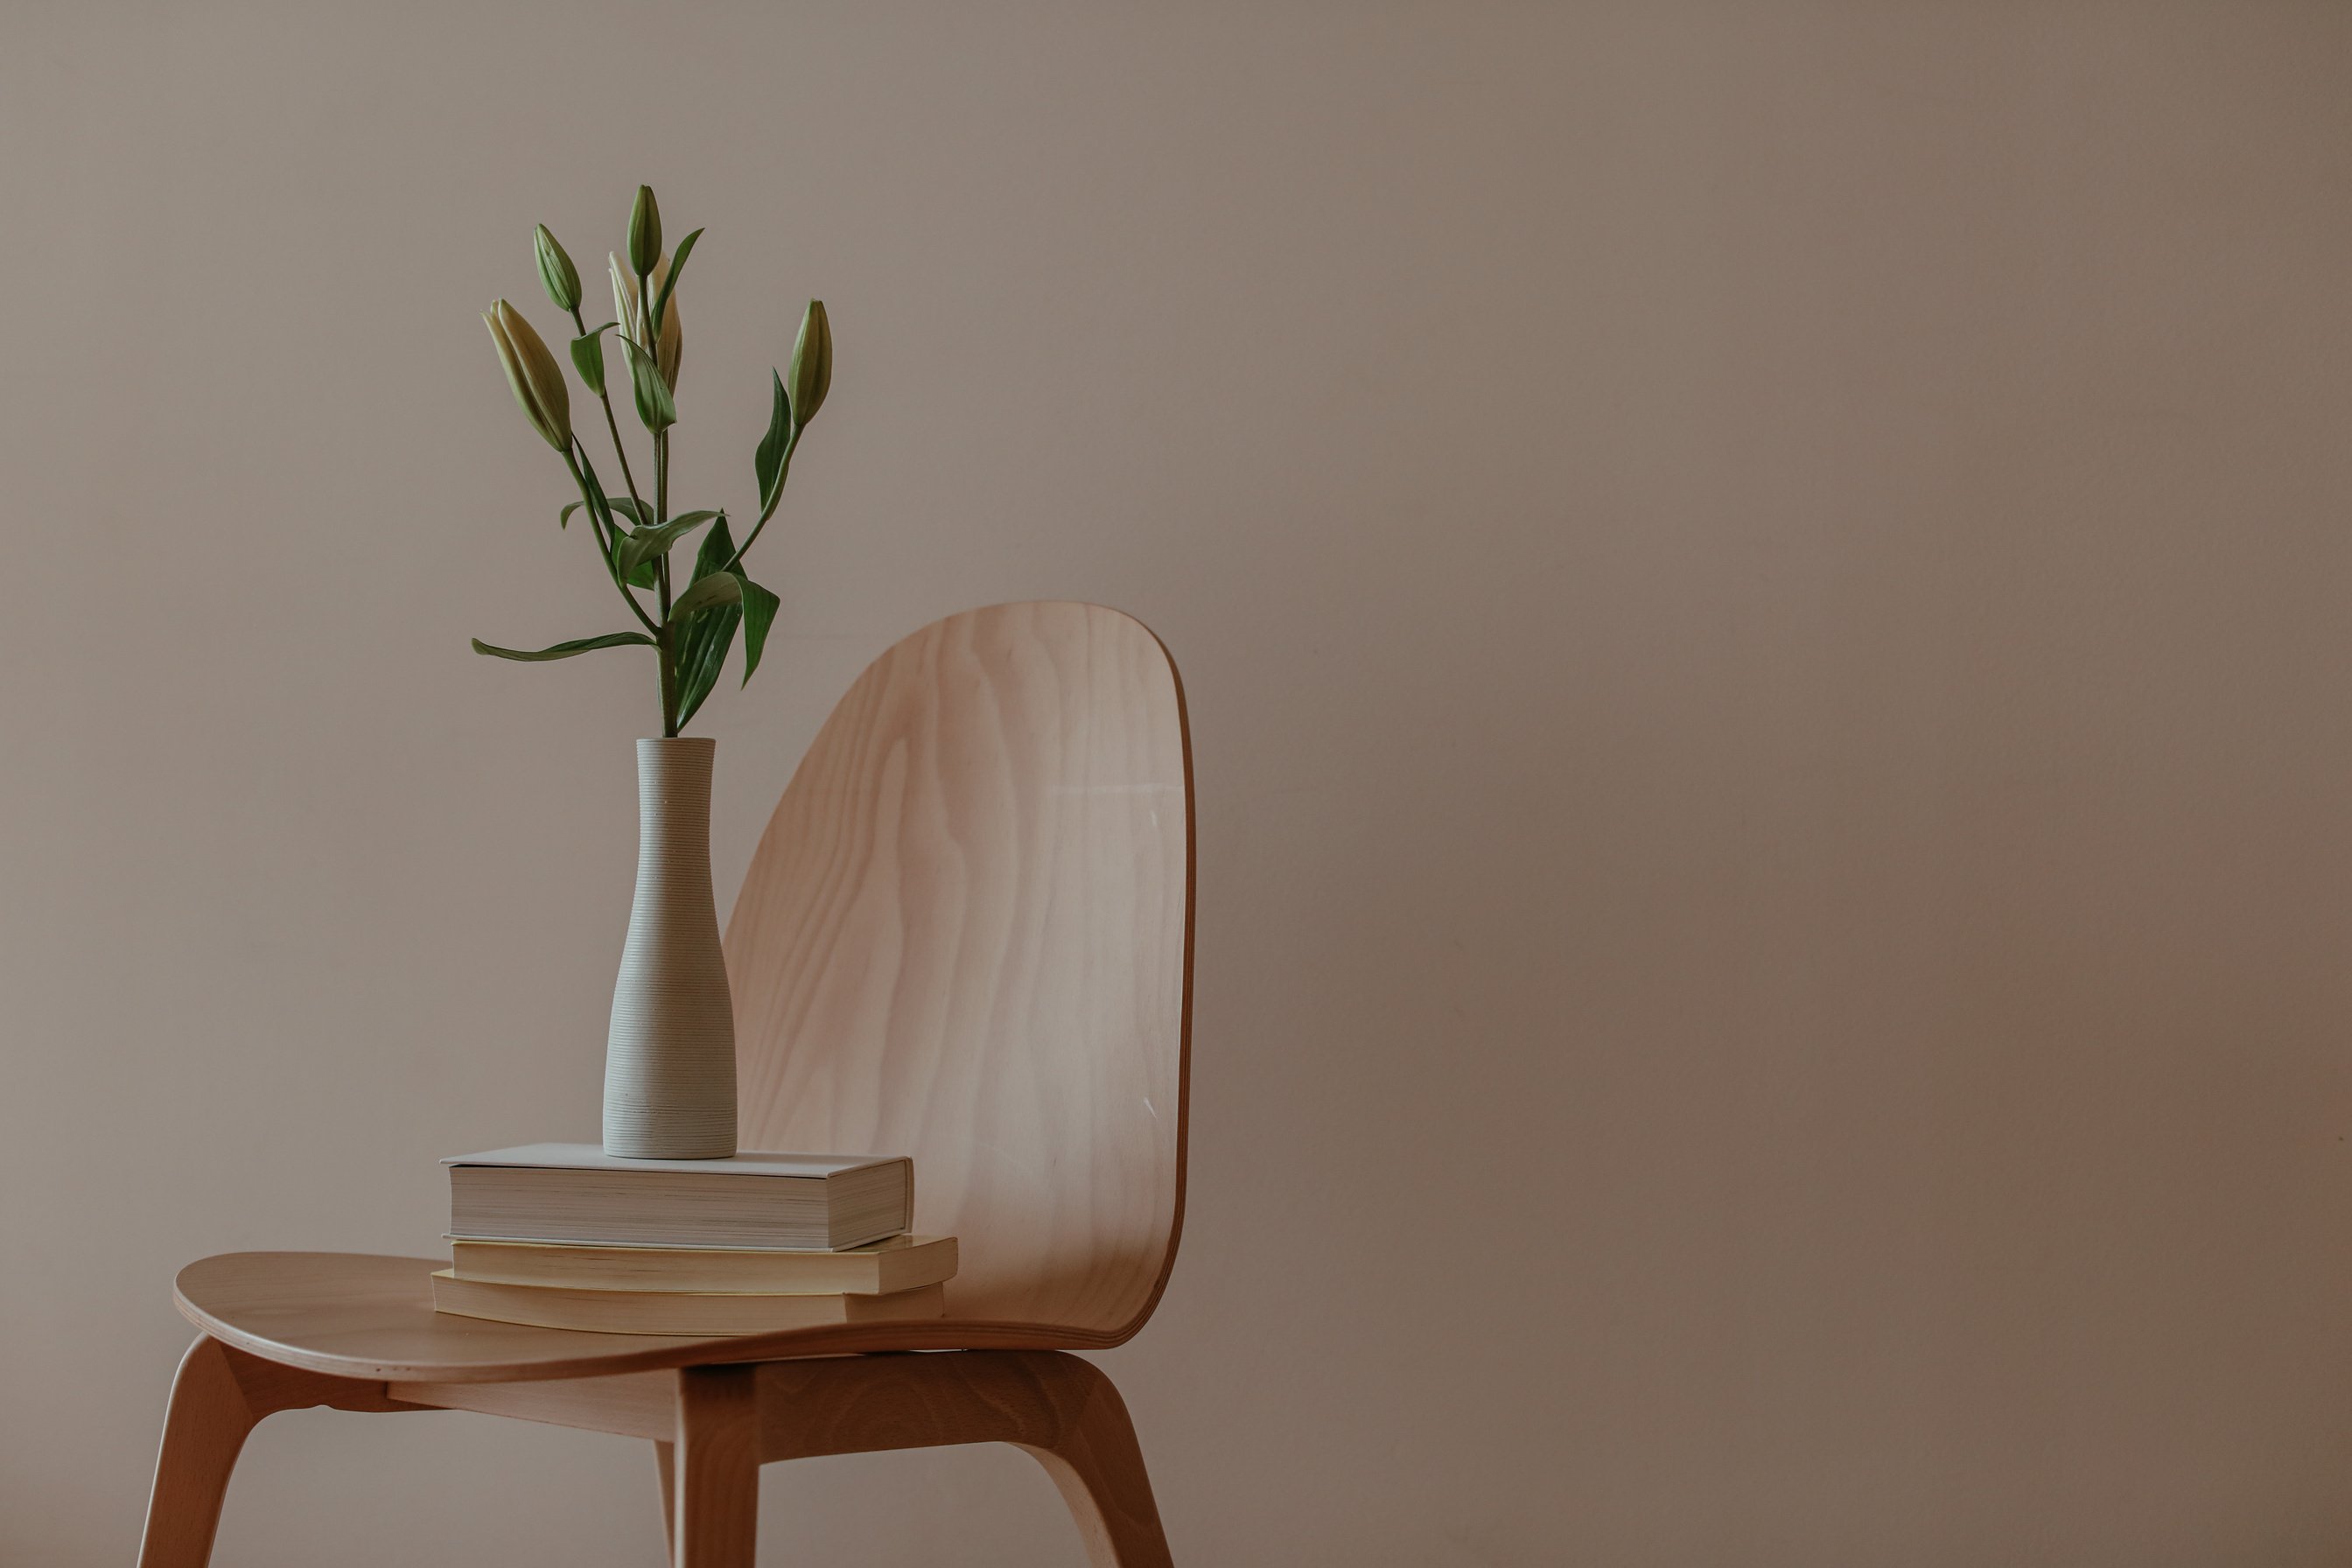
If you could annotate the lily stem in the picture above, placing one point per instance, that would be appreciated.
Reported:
(612, 424)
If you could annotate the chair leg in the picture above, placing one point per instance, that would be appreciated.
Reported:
(1098, 1467)
(1059, 1408)
(666, 1465)
(219, 1396)
(202, 1432)
(715, 1491)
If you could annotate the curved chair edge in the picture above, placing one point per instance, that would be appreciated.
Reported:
(568, 1354)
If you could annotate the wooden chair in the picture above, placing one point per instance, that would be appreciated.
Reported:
(966, 937)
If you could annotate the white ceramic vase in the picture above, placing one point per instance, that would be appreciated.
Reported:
(669, 1060)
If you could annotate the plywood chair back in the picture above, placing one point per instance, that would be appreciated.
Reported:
(966, 937)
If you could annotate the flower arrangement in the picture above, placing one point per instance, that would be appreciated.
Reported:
(692, 622)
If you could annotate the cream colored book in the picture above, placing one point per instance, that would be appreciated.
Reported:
(577, 1192)
(674, 1311)
(901, 1263)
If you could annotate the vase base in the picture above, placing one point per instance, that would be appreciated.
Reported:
(670, 1147)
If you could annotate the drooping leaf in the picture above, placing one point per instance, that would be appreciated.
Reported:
(702, 653)
(564, 649)
(636, 514)
(759, 614)
(621, 504)
(588, 358)
(641, 548)
(775, 452)
(677, 265)
(719, 588)
(706, 635)
(655, 407)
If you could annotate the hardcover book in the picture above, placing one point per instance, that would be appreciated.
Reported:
(577, 1193)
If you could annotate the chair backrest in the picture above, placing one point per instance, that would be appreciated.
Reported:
(967, 937)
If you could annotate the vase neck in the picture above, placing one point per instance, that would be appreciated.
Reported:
(674, 797)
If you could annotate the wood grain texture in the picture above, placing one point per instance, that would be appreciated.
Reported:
(365, 1315)
(219, 1396)
(629, 1404)
(1059, 1409)
(666, 1472)
(368, 1316)
(966, 937)
(716, 1465)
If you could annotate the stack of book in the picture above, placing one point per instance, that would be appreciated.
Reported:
(565, 1236)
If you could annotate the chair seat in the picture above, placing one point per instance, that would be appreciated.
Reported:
(365, 1315)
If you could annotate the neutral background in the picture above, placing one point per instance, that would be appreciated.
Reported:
(1765, 591)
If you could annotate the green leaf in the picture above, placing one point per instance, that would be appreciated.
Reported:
(703, 639)
(630, 509)
(759, 614)
(718, 550)
(641, 547)
(702, 655)
(661, 300)
(564, 649)
(719, 588)
(588, 358)
(774, 456)
(608, 533)
(655, 407)
(621, 504)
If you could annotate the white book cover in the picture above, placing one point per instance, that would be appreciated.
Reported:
(592, 1157)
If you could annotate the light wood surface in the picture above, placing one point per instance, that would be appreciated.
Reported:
(220, 1395)
(716, 1461)
(1062, 1411)
(713, 1428)
(632, 1403)
(666, 1472)
(966, 937)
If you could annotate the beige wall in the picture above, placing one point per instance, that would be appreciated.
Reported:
(1765, 591)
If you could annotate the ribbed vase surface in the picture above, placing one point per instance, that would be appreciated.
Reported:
(669, 1060)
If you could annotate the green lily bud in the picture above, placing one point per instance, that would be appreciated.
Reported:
(555, 270)
(812, 364)
(531, 371)
(630, 311)
(645, 232)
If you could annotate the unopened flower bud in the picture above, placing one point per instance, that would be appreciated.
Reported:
(645, 232)
(531, 371)
(630, 311)
(812, 364)
(555, 270)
